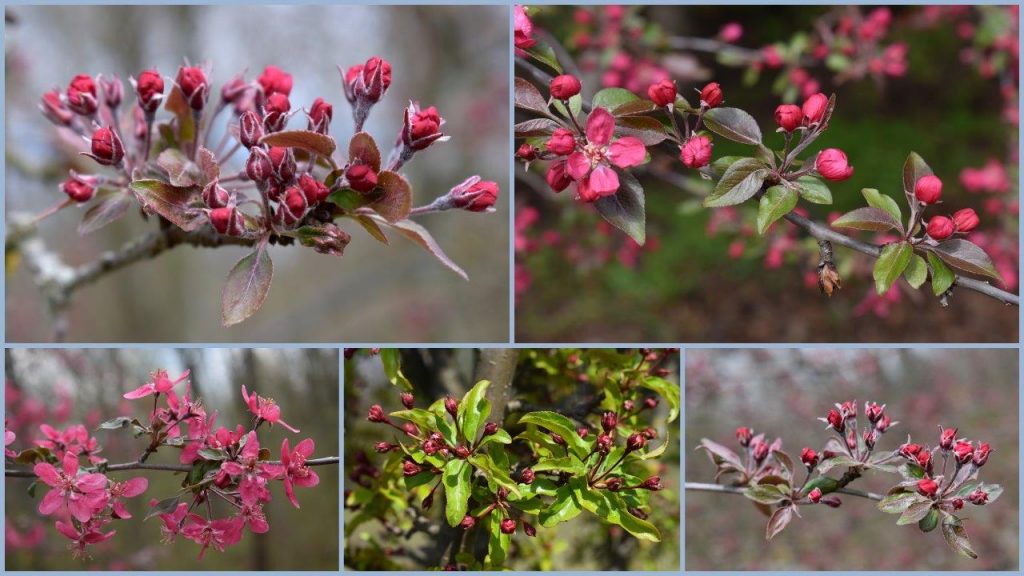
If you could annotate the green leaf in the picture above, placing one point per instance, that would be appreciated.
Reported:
(823, 483)
(612, 98)
(625, 209)
(559, 425)
(740, 182)
(669, 391)
(733, 124)
(545, 55)
(651, 454)
(110, 206)
(930, 521)
(967, 256)
(913, 513)
(247, 287)
(955, 535)
(425, 419)
(563, 464)
(495, 473)
(308, 140)
(562, 509)
(610, 507)
(893, 261)
(500, 437)
(458, 475)
(899, 502)
(917, 272)
(392, 361)
(910, 471)
(765, 493)
(575, 106)
(497, 544)
(869, 218)
(913, 169)
(776, 202)
(814, 190)
(778, 522)
(883, 201)
(836, 461)
(942, 276)
(474, 409)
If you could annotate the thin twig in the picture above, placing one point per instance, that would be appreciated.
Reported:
(704, 487)
(16, 473)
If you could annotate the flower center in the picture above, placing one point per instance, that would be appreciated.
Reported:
(595, 153)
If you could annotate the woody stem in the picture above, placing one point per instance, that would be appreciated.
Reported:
(705, 487)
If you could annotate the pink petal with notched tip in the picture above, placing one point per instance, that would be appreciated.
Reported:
(80, 508)
(627, 151)
(577, 165)
(600, 127)
(604, 181)
(232, 468)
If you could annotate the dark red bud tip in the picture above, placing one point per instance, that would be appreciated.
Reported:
(467, 522)
(788, 117)
(452, 406)
(565, 86)
(250, 129)
(150, 90)
(928, 189)
(814, 495)
(428, 501)
(557, 439)
(809, 458)
(194, 85)
(461, 451)
(814, 109)
(451, 567)
(979, 497)
(106, 147)
(614, 483)
(663, 93)
(650, 433)
(744, 435)
(408, 400)
(81, 95)
(947, 438)
(604, 443)
(711, 95)
(628, 405)
(362, 178)
(508, 526)
(527, 476)
(526, 152)
(226, 221)
(927, 487)
(490, 428)
(384, 447)
(275, 81)
(635, 442)
(411, 429)
(502, 493)
(652, 483)
(650, 403)
(529, 529)
(609, 421)
(376, 414)
(410, 468)
(583, 431)
(78, 190)
(981, 454)
(940, 227)
(761, 450)
(320, 115)
(832, 501)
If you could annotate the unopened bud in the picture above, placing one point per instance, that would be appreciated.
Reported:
(408, 400)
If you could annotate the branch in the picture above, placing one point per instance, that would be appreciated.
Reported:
(704, 487)
(713, 46)
(325, 461)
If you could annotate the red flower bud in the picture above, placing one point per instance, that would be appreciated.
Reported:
(884, 423)
(78, 189)
(927, 487)
(314, 190)
(561, 142)
(233, 90)
(609, 421)
(832, 501)
(294, 206)
(480, 196)
(376, 414)
(635, 442)
(832, 164)
(194, 86)
(744, 434)
(215, 195)
(422, 127)
(981, 454)
(54, 109)
(529, 529)
(508, 526)
(869, 439)
(282, 164)
(502, 493)
(150, 90)
(928, 189)
(940, 228)
(958, 503)
(628, 405)
(924, 459)
(814, 109)
(663, 93)
(814, 495)
(467, 522)
(557, 176)
(526, 152)
(452, 406)
(809, 458)
(851, 439)
(711, 95)
(408, 400)
(384, 447)
(527, 476)
(963, 451)
(650, 433)
(848, 409)
(760, 451)
(835, 420)
(565, 86)
(226, 221)
(276, 111)
(250, 129)
(947, 438)
(462, 452)
(696, 152)
(650, 402)
(113, 91)
(275, 81)
(428, 501)
(873, 411)
(604, 443)
(257, 167)
(410, 468)
(376, 75)
(411, 429)
(910, 450)
(652, 483)
(965, 220)
(979, 497)
(490, 428)
(614, 483)
(320, 115)
(557, 439)
(106, 147)
(788, 117)
(430, 447)
(582, 431)
(81, 95)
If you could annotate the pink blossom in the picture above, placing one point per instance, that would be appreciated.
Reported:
(9, 438)
(127, 489)
(89, 533)
(200, 429)
(265, 409)
(218, 533)
(294, 469)
(83, 496)
(590, 165)
(161, 384)
(172, 522)
(523, 29)
(989, 178)
(253, 516)
(254, 473)
(731, 32)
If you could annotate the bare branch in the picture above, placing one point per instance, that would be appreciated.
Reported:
(704, 487)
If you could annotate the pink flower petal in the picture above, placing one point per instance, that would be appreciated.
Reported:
(604, 181)
(307, 482)
(577, 165)
(92, 482)
(67, 530)
(134, 487)
(70, 464)
(627, 151)
(141, 392)
(48, 474)
(305, 448)
(600, 127)
(51, 502)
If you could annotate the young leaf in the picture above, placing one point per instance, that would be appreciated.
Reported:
(634, 107)
(559, 425)
(899, 502)
(474, 409)
(649, 130)
(421, 236)
(393, 368)
(870, 218)
(917, 272)
(115, 423)
(611, 508)
(612, 98)
(395, 201)
(667, 390)
(457, 488)
(814, 190)
(778, 522)
(879, 200)
(914, 512)
(913, 169)
(966, 256)
(563, 464)
(836, 461)
(172, 202)
(956, 536)
(497, 544)
(562, 509)
(942, 276)
(302, 139)
(495, 473)
(741, 181)
(719, 453)
(529, 98)
(893, 261)
(247, 286)
(765, 494)
(625, 209)
(930, 521)
(733, 124)
(180, 170)
(363, 148)
(535, 127)
(776, 202)
(110, 206)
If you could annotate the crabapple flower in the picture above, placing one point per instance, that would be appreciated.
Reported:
(253, 472)
(275, 81)
(557, 176)
(252, 515)
(523, 29)
(663, 93)
(89, 533)
(172, 521)
(832, 164)
(107, 148)
(294, 469)
(928, 189)
(591, 164)
(9, 438)
(83, 496)
(965, 220)
(788, 117)
(218, 533)
(711, 95)
(940, 228)
(81, 95)
(265, 408)
(565, 86)
(127, 489)
(814, 109)
(161, 384)
(696, 152)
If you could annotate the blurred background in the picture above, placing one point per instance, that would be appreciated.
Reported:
(70, 387)
(941, 81)
(562, 380)
(782, 392)
(453, 57)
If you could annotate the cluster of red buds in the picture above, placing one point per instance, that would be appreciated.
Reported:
(947, 491)
(809, 121)
(928, 191)
(231, 465)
